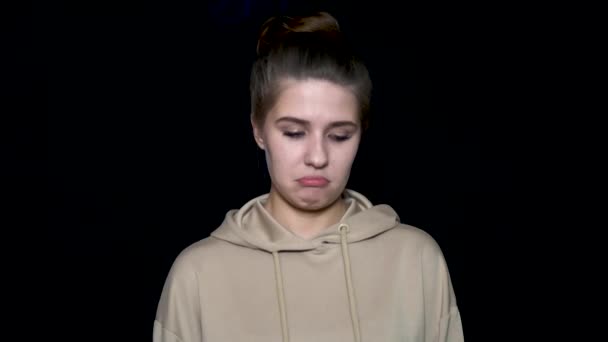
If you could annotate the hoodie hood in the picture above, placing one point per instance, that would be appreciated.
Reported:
(252, 226)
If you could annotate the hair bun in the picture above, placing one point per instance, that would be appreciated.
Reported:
(276, 30)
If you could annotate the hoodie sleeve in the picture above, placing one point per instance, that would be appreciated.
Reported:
(178, 315)
(442, 316)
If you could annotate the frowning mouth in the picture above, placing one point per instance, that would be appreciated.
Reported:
(313, 181)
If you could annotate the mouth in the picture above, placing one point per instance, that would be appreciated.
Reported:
(313, 181)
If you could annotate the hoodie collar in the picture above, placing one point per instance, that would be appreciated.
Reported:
(252, 225)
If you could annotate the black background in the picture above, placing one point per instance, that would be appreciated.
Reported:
(147, 143)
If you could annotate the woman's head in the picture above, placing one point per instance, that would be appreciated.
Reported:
(300, 48)
(310, 99)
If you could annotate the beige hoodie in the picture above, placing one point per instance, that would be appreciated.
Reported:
(367, 278)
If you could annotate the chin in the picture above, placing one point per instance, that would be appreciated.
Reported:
(313, 199)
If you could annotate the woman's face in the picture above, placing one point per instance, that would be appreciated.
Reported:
(310, 138)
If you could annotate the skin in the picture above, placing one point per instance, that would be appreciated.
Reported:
(312, 130)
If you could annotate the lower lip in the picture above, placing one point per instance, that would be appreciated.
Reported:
(313, 181)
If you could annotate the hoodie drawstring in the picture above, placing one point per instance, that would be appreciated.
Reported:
(279, 280)
(349, 282)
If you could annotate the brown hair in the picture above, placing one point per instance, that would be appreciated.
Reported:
(302, 47)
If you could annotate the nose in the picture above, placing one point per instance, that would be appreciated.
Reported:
(316, 153)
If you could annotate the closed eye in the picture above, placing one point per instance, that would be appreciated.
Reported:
(340, 137)
(299, 134)
(294, 135)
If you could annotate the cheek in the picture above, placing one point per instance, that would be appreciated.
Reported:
(281, 157)
(345, 163)
(344, 159)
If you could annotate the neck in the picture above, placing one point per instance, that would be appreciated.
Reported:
(303, 223)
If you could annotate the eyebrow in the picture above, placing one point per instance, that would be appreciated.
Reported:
(307, 123)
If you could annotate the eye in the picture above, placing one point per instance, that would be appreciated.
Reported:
(293, 135)
(339, 138)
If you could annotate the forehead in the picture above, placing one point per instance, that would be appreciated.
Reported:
(315, 101)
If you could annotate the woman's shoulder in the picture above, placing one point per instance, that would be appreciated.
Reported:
(413, 238)
(411, 233)
(198, 248)
(200, 253)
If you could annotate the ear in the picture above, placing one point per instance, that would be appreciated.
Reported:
(257, 134)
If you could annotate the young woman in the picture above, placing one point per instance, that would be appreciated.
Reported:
(311, 260)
